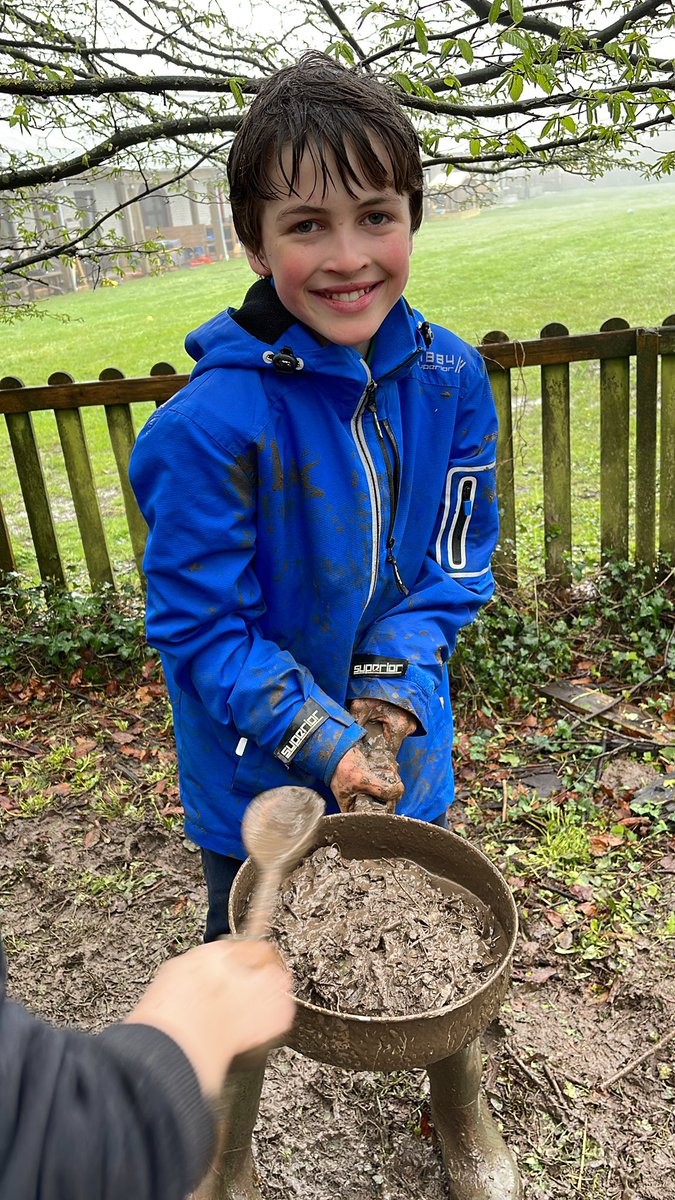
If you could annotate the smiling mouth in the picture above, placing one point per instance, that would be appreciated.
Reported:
(348, 296)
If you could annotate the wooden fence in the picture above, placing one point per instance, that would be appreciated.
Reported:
(615, 348)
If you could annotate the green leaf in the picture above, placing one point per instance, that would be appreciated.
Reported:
(516, 10)
(516, 145)
(569, 124)
(516, 87)
(343, 50)
(495, 10)
(513, 37)
(421, 35)
(474, 146)
(237, 93)
(403, 81)
(544, 82)
(466, 50)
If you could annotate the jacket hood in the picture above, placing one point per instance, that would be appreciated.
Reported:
(262, 334)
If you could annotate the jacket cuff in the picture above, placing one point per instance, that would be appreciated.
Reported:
(413, 692)
(319, 735)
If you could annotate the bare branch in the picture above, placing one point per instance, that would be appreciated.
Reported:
(111, 147)
(341, 27)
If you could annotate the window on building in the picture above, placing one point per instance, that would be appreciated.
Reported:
(155, 210)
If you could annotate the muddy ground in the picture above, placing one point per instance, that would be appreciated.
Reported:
(98, 886)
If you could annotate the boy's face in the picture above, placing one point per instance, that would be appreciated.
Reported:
(339, 263)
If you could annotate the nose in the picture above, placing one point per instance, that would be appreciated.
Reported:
(346, 253)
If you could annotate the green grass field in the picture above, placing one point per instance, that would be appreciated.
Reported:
(577, 257)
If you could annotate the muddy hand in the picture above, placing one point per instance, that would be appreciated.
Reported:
(397, 723)
(356, 774)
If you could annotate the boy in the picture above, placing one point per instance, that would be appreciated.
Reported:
(321, 496)
(322, 511)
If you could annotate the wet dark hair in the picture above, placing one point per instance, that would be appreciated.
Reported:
(319, 108)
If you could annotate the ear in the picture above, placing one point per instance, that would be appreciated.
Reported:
(258, 263)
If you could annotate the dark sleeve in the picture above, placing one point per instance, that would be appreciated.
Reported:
(115, 1116)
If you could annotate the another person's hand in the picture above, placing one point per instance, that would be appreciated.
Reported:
(397, 723)
(356, 774)
(217, 1001)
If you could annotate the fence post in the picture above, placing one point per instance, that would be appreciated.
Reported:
(667, 466)
(645, 445)
(162, 368)
(82, 489)
(505, 559)
(7, 560)
(34, 491)
(614, 450)
(122, 438)
(557, 470)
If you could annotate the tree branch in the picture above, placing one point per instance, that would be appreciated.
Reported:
(111, 147)
(339, 24)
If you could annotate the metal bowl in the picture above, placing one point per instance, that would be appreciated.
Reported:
(398, 1043)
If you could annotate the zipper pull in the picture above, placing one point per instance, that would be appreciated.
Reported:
(371, 405)
(391, 559)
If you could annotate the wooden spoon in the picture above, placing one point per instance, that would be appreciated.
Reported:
(278, 827)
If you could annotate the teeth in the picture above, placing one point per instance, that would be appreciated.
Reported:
(347, 295)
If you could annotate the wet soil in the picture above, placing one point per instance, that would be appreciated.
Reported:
(97, 887)
(376, 937)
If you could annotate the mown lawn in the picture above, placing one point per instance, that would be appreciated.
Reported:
(577, 258)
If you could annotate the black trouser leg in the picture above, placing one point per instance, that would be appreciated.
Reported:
(219, 872)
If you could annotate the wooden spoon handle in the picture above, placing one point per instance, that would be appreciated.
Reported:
(263, 900)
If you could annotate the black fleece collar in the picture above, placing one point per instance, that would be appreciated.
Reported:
(262, 314)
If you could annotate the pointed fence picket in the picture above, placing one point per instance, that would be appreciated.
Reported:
(616, 347)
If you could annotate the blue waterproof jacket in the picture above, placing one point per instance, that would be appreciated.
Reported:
(319, 530)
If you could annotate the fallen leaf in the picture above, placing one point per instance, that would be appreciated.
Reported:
(583, 891)
(426, 1126)
(542, 975)
(516, 882)
(602, 842)
(668, 864)
(91, 837)
(59, 789)
(85, 745)
(554, 918)
(121, 737)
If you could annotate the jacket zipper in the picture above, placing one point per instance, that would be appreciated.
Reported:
(394, 481)
(371, 476)
(368, 401)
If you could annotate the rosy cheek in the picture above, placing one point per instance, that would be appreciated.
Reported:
(291, 275)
